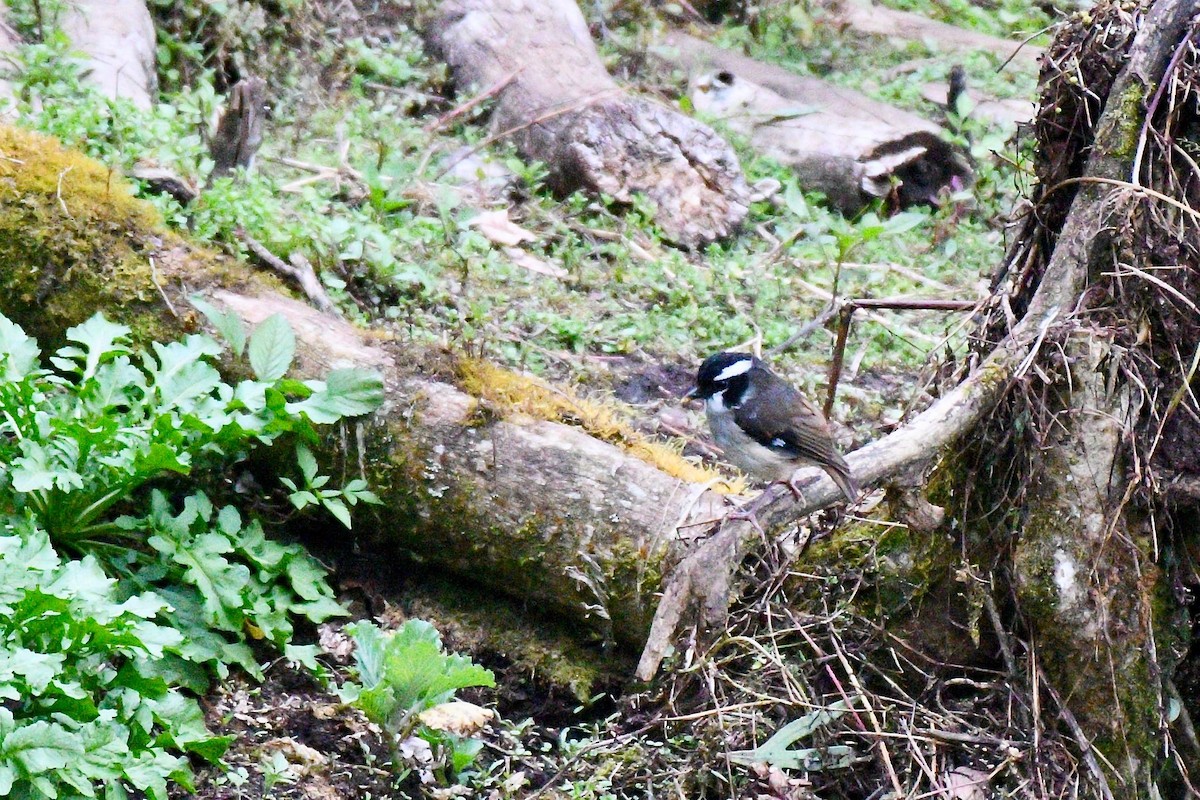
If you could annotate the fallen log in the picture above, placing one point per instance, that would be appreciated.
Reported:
(847, 146)
(879, 20)
(474, 482)
(558, 105)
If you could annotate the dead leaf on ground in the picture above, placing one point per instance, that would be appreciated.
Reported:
(335, 642)
(457, 717)
(533, 263)
(964, 783)
(499, 229)
(303, 757)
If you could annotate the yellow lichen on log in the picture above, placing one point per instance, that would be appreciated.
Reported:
(513, 393)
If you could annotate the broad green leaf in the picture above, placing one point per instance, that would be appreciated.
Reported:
(32, 471)
(775, 750)
(307, 462)
(226, 323)
(99, 338)
(117, 383)
(344, 393)
(272, 347)
(8, 776)
(219, 581)
(37, 670)
(105, 747)
(18, 353)
(151, 770)
(183, 719)
(160, 458)
(338, 509)
(41, 746)
(180, 387)
(407, 671)
(304, 655)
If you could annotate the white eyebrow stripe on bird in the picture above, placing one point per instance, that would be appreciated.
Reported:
(735, 369)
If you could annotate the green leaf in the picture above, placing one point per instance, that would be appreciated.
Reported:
(151, 770)
(18, 353)
(219, 582)
(41, 747)
(406, 671)
(338, 509)
(304, 655)
(160, 458)
(272, 347)
(180, 371)
(775, 750)
(37, 670)
(307, 462)
(344, 393)
(99, 338)
(226, 323)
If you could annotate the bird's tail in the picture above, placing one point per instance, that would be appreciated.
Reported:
(845, 481)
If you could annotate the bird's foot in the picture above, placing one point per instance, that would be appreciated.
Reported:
(796, 493)
(748, 512)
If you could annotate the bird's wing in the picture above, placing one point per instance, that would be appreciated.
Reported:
(785, 421)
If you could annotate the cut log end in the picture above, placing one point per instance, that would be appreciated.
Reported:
(629, 146)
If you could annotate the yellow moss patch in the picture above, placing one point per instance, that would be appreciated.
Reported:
(80, 186)
(515, 393)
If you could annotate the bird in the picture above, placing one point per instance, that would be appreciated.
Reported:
(765, 425)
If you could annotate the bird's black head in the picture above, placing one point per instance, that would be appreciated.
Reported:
(721, 372)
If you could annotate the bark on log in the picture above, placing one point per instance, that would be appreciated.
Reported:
(847, 146)
(878, 20)
(560, 106)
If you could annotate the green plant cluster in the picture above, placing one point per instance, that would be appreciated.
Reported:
(405, 672)
(121, 589)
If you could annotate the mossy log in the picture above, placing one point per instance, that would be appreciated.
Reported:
(557, 103)
(838, 142)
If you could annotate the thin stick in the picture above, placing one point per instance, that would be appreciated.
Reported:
(839, 355)
(303, 273)
(487, 94)
(58, 192)
(884, 754)
(157, 285)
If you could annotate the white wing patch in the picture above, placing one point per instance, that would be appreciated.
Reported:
(735, 369)
(780, 443)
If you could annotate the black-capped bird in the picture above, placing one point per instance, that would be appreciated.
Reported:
(764, 425)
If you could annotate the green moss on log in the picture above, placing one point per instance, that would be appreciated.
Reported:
(74, 240)
(620, 579)
(904, 579)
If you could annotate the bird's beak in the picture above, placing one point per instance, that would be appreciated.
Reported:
(691, 393)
